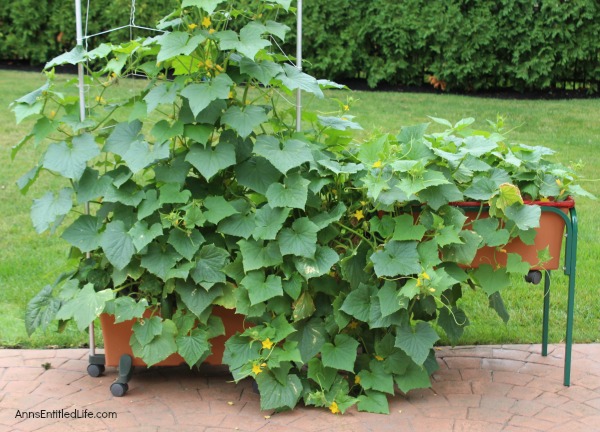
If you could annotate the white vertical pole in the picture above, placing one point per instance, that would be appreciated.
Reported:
(80, 77)
(299, 66)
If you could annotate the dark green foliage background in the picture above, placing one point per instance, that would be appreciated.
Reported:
(470, 44)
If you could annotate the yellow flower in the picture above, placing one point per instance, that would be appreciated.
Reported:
(211, 31)
(256, 369)
(219, 68)
(209, 64)
(378, 358)
(192, 26)
(267, 344)
(346, 108)
(230, 95)
(425, 276)
(52, 114)
(377, 164)
(419, 282)
(357, 380)
(432, 289)
(100, 100)
(353, 324)
(206, 23)
(558, 182)
(358, 214)
(334, 408)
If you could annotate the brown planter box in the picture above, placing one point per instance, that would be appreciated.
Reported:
(116, 339)
(549, 234)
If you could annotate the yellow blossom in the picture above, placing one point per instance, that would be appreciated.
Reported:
(419, 282)
(206, 22)
(545, 199)
(334, 408)
(346, 107)
(192, 26)
(503, 250)
(209, 64)
(211, 31)
(432, 289)
(219, 68)
(358, 214)
(353, 324)
(100, 100)
(377, 164)
(256, 369)
(558, 182)
(230, 95)
(267, 344)
(378, 358)
(52, 114)
(424, 275)
(357, 380)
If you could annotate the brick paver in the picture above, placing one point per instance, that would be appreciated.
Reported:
(483, 388)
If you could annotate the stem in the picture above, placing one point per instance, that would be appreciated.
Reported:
(358, 234)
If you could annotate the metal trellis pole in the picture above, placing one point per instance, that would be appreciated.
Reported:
(299, 66)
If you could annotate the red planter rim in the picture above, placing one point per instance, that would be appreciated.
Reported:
(568, 203)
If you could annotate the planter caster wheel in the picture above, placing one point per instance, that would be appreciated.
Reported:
(119, 389)
(534, 277)
(95, 370)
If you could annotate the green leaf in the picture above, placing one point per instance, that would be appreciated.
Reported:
(264, 71)
(323, 219)
(412, 185)
(278, 396)
(211, 160)
(186, 243)
(482, 189)
(384, 226)
(158, 348)
(353, 265)
(49, 210)
(177, 43)
(196, 299)
(292, 193)
(310, 336)
(127, 142)
(70, 161)
(269, 222)
(491, 280)
(515, 264)
(321, 264)
(497, 304)
(76, 55)
(377, 378)
(405, 229)
(86, 306)
(524, 216)
(210, 261)
(117, 244)
(397, 258)
(159, 260)
(141, 235)
(300, 239)
(163, 93)
(243, 121)
(374, 402)
(193, 347)
(260, 288)
(201, 95)
(126, 308)
(257, 174)
(218, 209)
(414, 377)
(416, 341)
(291, 154)
(341, 354)
(453, 320)
(389, 301)
(358, 303)
(323, 376)
(303, 307)
(41, 310)
(488, 229)
(249, 42)
(83, 233)
(238, 225)
(463, 253)
(293, 79)
(208, 6)
(257, 255)
(198, 133)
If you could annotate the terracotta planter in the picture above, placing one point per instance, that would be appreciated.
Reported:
(549, 234)
(116, 339)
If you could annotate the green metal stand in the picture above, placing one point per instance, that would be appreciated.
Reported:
(569, 269)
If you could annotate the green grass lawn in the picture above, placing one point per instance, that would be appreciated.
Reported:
(572, 127)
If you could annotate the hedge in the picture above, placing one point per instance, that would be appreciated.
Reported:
(465, 45)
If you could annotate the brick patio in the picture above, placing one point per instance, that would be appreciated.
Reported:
(483, 388)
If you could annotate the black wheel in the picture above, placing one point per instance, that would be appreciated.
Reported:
(118, 389)
(534, 277)
(94, 370)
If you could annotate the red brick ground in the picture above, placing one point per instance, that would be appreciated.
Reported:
(486, 388)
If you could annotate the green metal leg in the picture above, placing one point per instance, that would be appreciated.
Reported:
(546, 315)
